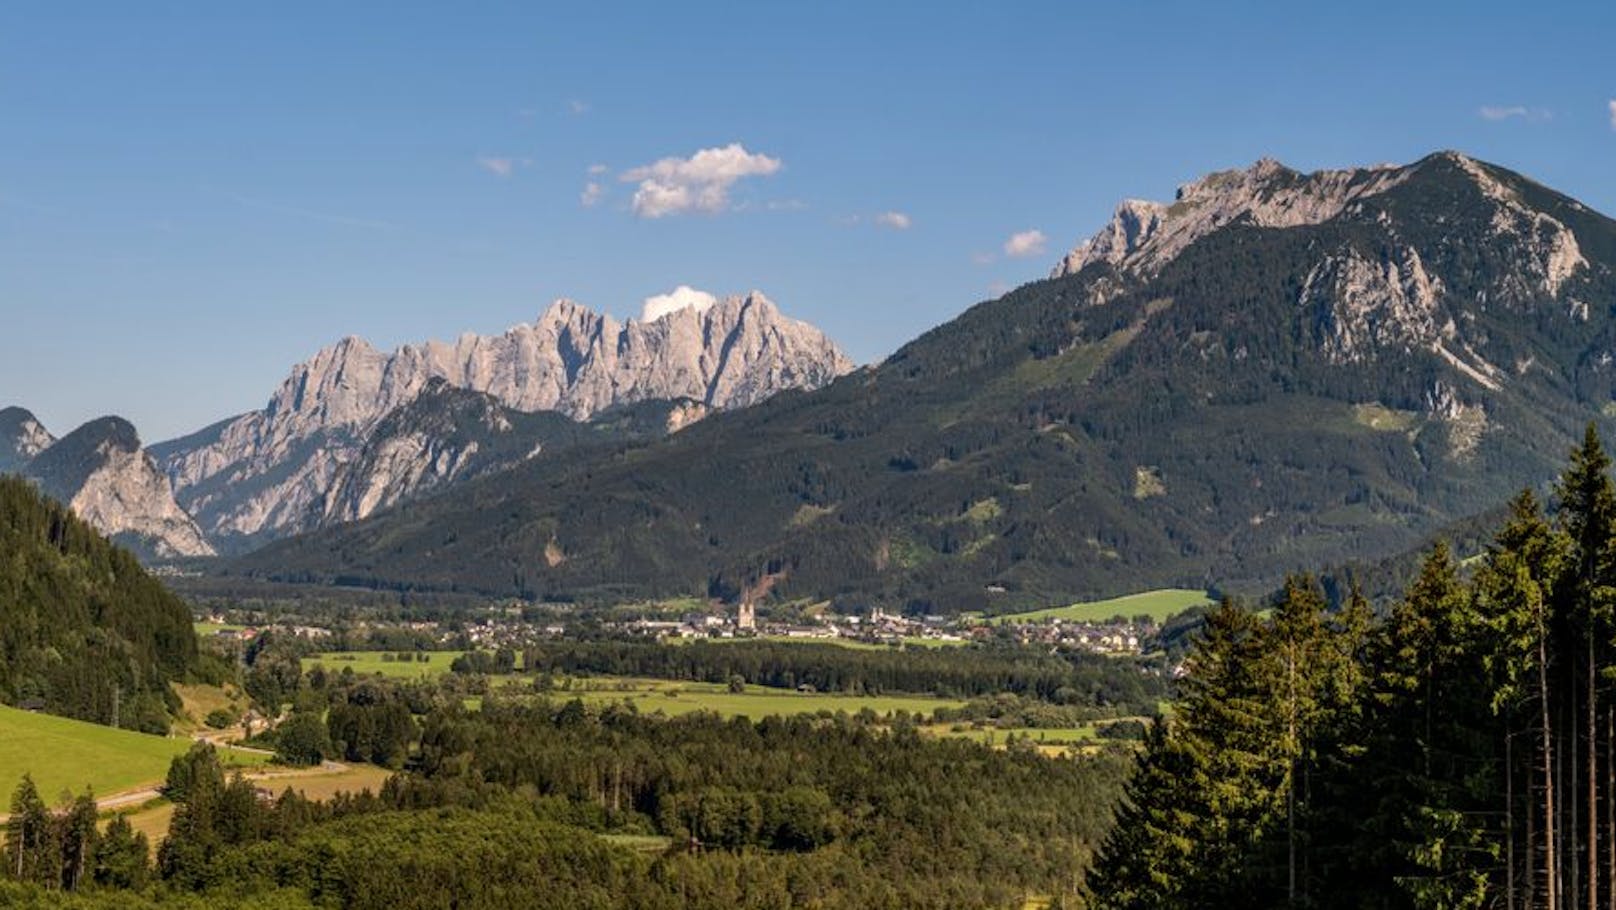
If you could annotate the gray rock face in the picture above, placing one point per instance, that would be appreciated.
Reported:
(261, 474)
(443, 436)
(1373, 300)
(103, 474)
(1144, 235)
(21, 438)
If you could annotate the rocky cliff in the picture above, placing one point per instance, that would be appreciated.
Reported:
(21, 438)
(263, 474)
(102, 473)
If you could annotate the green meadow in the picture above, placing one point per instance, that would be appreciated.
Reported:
(70, 755)
(1158, 605)
(677, 697)
(424, 664)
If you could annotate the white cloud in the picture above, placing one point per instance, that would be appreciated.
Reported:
(501, 167)
(1613, 113)
(595, 170)
(675, 300)
(1497, 112)
(591, 195)
(576, 106)
(898, 221)
(1025, 243)
(700, 183)
(983, 258)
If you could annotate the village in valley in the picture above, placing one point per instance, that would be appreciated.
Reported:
(513, 626)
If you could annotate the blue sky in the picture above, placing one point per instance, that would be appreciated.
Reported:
(195, 196)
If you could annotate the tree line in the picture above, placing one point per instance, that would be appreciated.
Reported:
(509, 806)
(965, 672)
(1459, 753)
(84, 631)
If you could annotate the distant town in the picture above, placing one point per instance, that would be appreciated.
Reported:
(507, 628)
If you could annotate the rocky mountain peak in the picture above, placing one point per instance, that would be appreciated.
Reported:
(1143, 235)
(103, 474)
(263, 470)
(22, 437)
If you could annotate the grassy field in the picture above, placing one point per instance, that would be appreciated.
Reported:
(368, 662)
(152, 819)
(206, 629)
(1050, 741)
(69, 755)
(197, 700)
(1158, 605)
(675, 698)
(640, 843)
(851, 643)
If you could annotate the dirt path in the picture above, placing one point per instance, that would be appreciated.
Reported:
(145, 793)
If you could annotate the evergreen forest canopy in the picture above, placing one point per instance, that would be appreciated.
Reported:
(528, 804)
(84, 631)
(1460, 753)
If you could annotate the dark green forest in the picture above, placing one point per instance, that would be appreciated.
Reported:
(84, 631)
(1459, 753)
(1069, 679)
(518, 805)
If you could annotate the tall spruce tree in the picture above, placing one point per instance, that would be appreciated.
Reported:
(1584, 601)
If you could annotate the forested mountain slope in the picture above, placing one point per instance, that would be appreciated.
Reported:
(84, 631)
(1276, 370)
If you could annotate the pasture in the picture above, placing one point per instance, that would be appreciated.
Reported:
(314, 783)
(674, 698)
(424, 664)
(1158, 605)
(850, 643)
(70, 755)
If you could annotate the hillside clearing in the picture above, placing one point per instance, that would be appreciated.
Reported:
(69, 755)
(1158, 605)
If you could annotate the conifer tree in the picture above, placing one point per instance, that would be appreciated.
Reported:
(121, 858)
(30, 841)
(1514, 587)
(1584, 602)
(1428, 754)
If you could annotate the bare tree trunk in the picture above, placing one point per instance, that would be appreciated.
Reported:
(1290, 800)
(1551, 869)
(1593, 777)
(1568, 762)
(1509, 823)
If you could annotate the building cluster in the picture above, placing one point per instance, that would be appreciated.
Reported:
(1114, 636)
(500, 629)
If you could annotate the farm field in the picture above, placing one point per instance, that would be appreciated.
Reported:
(206, 629)
(1050, 741)
(851, 643)
(64, 754)
(436, 663)
(1158, 605)
(674, 697)
(315, 783)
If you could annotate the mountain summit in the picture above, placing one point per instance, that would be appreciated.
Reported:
(101, 471)
(1275, 370)
(261, 474)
